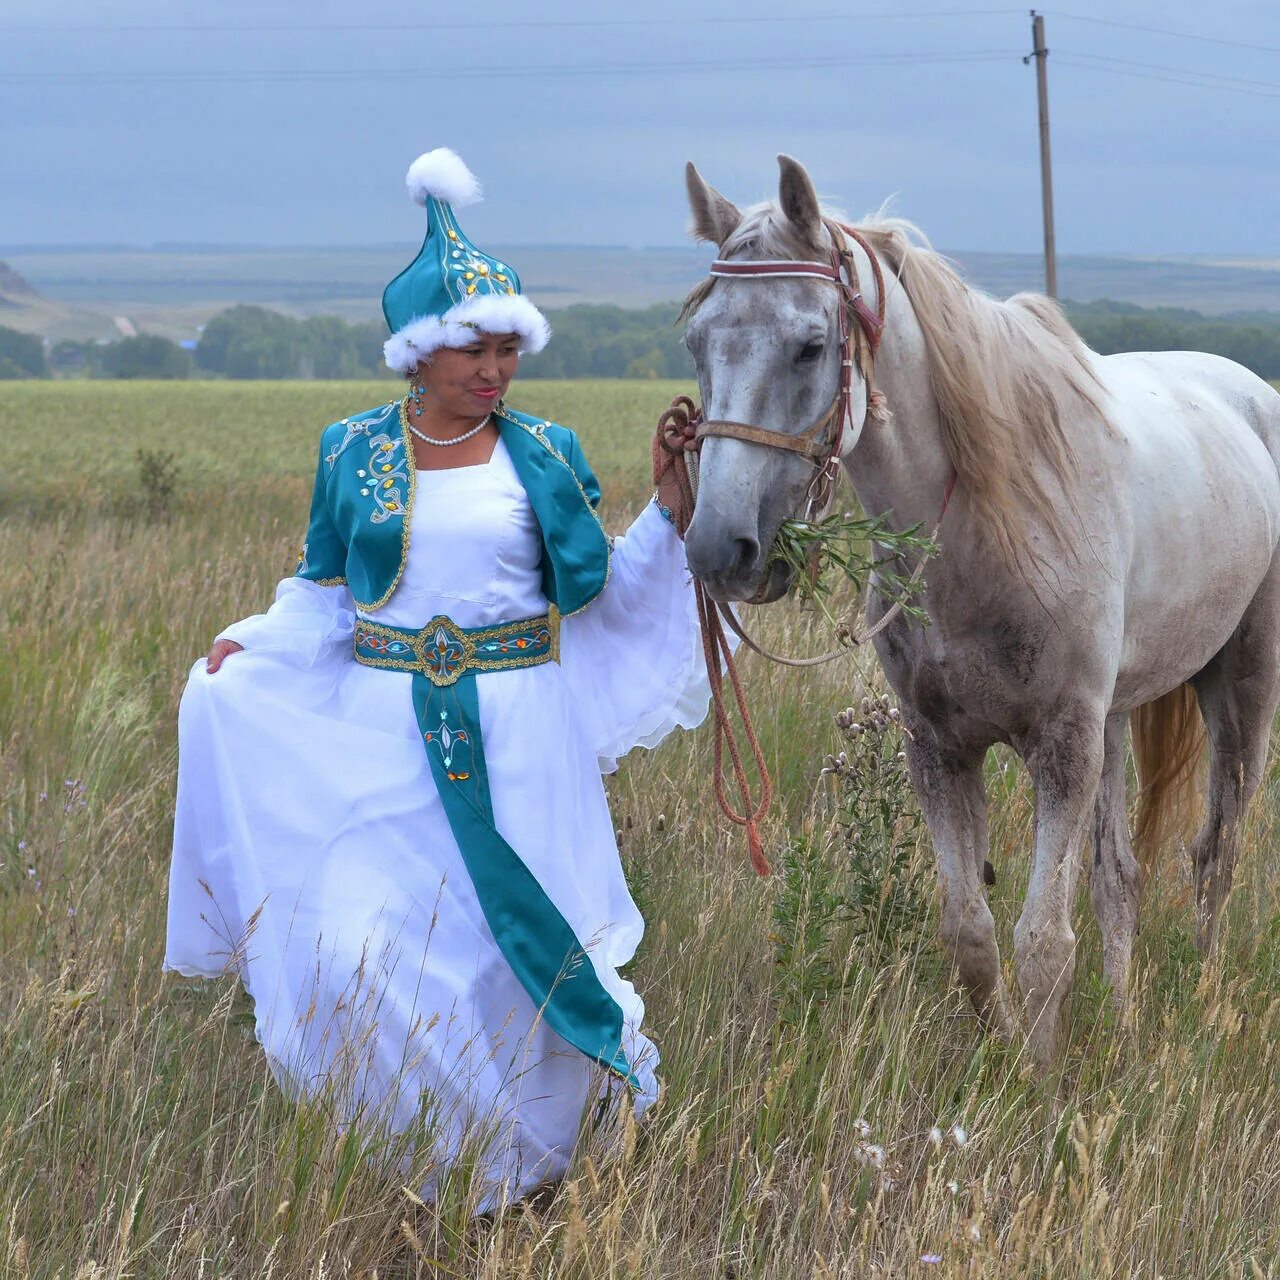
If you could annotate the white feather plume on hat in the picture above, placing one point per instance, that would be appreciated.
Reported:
(441, 173)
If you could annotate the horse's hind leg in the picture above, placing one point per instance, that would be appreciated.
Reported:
(954, 800)
(1115, 881)
(1238, 692)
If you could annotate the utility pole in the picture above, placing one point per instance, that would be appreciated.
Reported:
(1041, 55)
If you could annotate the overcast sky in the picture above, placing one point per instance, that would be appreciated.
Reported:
(276, 122)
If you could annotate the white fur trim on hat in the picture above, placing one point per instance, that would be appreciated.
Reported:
(408, 347)
(442, 174)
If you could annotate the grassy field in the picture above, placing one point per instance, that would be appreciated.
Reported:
(831, 1107)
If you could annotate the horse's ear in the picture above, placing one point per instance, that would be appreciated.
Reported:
(798, 199)
(714, 217)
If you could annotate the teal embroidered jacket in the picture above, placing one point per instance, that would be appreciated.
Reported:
(362, 506)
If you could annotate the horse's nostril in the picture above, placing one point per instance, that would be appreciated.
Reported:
(716, 555)
(747, 550)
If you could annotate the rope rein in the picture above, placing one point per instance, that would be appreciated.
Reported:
(717, 650)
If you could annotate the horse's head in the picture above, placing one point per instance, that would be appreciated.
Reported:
(768, 353)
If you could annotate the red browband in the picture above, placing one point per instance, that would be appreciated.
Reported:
(780, 267)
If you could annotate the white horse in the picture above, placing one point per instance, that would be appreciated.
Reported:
(1108, 556)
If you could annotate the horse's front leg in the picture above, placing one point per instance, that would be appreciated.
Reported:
(1115, 882)
(953, 798)
(1065, 763)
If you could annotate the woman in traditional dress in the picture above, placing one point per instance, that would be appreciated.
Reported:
(390, 817)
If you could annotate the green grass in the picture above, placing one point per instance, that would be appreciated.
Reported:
(140, 1134)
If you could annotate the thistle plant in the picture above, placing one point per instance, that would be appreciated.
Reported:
(849, 547)
(886, 896)
(856, 888)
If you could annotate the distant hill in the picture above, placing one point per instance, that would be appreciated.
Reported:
(1207, 285)
(13, 285)
(173, 290)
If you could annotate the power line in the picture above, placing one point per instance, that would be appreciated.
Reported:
(1078, 59)
(552, 24)
(1156, 66)
(1166, 31)
(524, 24)
(1068, 60)
(293, 75)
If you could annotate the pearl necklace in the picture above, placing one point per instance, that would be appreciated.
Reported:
(466, 435)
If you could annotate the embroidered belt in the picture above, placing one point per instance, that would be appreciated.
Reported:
(444, 652)
(535, 939)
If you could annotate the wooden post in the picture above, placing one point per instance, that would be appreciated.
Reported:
(1041, 55)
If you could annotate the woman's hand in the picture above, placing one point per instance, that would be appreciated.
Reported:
(219, 651)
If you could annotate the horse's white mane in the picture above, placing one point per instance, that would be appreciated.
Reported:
(1006, 375)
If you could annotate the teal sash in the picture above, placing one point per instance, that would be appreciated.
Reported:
(536, 940)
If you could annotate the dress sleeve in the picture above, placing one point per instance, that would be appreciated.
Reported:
(633, 657)
(314, 609)
(305, 622)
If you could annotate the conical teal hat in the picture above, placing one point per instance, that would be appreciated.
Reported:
(452, 290)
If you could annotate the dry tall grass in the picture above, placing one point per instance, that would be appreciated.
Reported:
(877, 1134)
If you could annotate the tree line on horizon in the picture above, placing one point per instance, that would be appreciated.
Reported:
(590, 341)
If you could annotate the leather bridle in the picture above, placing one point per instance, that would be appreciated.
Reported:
(820, 444)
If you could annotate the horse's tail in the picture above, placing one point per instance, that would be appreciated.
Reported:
(1168, 744)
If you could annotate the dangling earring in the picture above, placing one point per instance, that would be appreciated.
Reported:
(415, 398)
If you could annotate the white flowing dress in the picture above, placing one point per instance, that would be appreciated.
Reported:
(313, 858)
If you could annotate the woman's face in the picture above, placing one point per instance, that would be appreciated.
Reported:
(466, 382)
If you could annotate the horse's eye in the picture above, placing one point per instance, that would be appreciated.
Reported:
(810, 352)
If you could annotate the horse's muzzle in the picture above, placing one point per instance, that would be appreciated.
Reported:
(733, 569)
(771, 585)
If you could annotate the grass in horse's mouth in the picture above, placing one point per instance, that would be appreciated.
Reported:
(853, 548)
